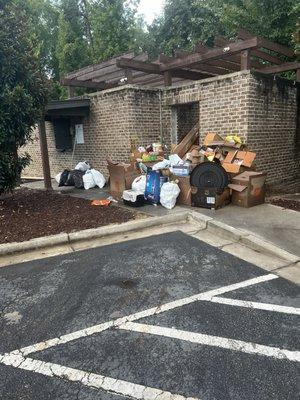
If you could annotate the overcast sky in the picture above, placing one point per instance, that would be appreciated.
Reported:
(150, 9)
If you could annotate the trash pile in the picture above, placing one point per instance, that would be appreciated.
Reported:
(82, 176)
(210, 175)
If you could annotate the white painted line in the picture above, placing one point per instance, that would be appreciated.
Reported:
(142, 314)
(259, 306)
(216, 341)
(116, 386)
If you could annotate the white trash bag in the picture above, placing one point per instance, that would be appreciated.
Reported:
(83, 166)
(98, 178)
(161, 165)
(88, 180)
(57, 177)
(139, 184)
(168, 194)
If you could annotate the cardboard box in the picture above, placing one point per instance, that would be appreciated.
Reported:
(121, 177)
(209, 198)
(184, 197)
(248, 189)
(212, 137)
(237, 159)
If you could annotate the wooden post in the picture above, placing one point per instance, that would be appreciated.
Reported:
(245, 60)
(45, 155)
(298, 75)
(128, 75)
(71, 91)
(168, 78)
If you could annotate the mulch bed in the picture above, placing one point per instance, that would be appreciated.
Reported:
(285, 203)
(28, 214)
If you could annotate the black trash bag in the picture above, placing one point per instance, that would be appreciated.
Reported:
(70, 179)
(77, 177)
(63, 178)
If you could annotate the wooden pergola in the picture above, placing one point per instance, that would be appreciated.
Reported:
(247, 52)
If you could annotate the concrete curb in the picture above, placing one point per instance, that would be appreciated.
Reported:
(203, 222)
(127, 227)
(226, 231)
(65, 238)
(260, 244)
(33, 244)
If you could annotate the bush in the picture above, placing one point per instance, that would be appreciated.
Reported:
(23, 90)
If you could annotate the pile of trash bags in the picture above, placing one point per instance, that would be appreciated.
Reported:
(82, 176)
(152, 188)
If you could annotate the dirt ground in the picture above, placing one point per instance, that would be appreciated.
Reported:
(28, 214)
(286, 203)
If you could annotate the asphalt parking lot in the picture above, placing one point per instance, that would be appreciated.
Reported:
(167, 317)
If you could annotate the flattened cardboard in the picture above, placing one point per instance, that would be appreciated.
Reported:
(235, 159)
(238, 188)
(212, 137)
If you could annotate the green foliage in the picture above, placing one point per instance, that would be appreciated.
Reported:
(44, 16)
(296, 35)
(72, 48)
(184, 23)
(271, 19)
(114, 27)
(23, 91)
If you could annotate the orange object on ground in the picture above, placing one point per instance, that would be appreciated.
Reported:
(103, 202)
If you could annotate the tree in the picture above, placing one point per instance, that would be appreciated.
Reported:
(23, 92)
(114, 27)
(274, 20)
(73, 50)
(183, 23)
(186, 22)
(44, 15)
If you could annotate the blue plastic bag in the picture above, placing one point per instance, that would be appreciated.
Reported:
(153, 184)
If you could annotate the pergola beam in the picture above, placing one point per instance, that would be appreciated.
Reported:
(147, 67)
(98, 66)
(276, 69)
(152, 68)
(87, 84)
(230, 63)
(267, 44)
(201, 67)
(220, 41)
(245, 60)
(212, 54)
(243, 34)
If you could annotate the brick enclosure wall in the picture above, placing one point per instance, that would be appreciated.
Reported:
(223, 104)
(187, 117)
(262, 111)
(118, 117)
(271, 133)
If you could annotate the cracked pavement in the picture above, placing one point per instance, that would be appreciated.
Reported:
(85, 298)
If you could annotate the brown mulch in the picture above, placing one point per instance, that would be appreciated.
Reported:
(285, 203)
(28, 214)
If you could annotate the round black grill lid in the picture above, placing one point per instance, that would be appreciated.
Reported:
(209, 175)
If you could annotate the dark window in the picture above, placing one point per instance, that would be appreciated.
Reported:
(63, 138)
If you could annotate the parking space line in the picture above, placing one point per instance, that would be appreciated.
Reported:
(208, 295)
(216, 341)
(96, 381)
(256, 305)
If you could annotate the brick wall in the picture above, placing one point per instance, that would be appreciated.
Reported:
(187, 117)
(262, 111)
(117, 118)
(271, 132)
